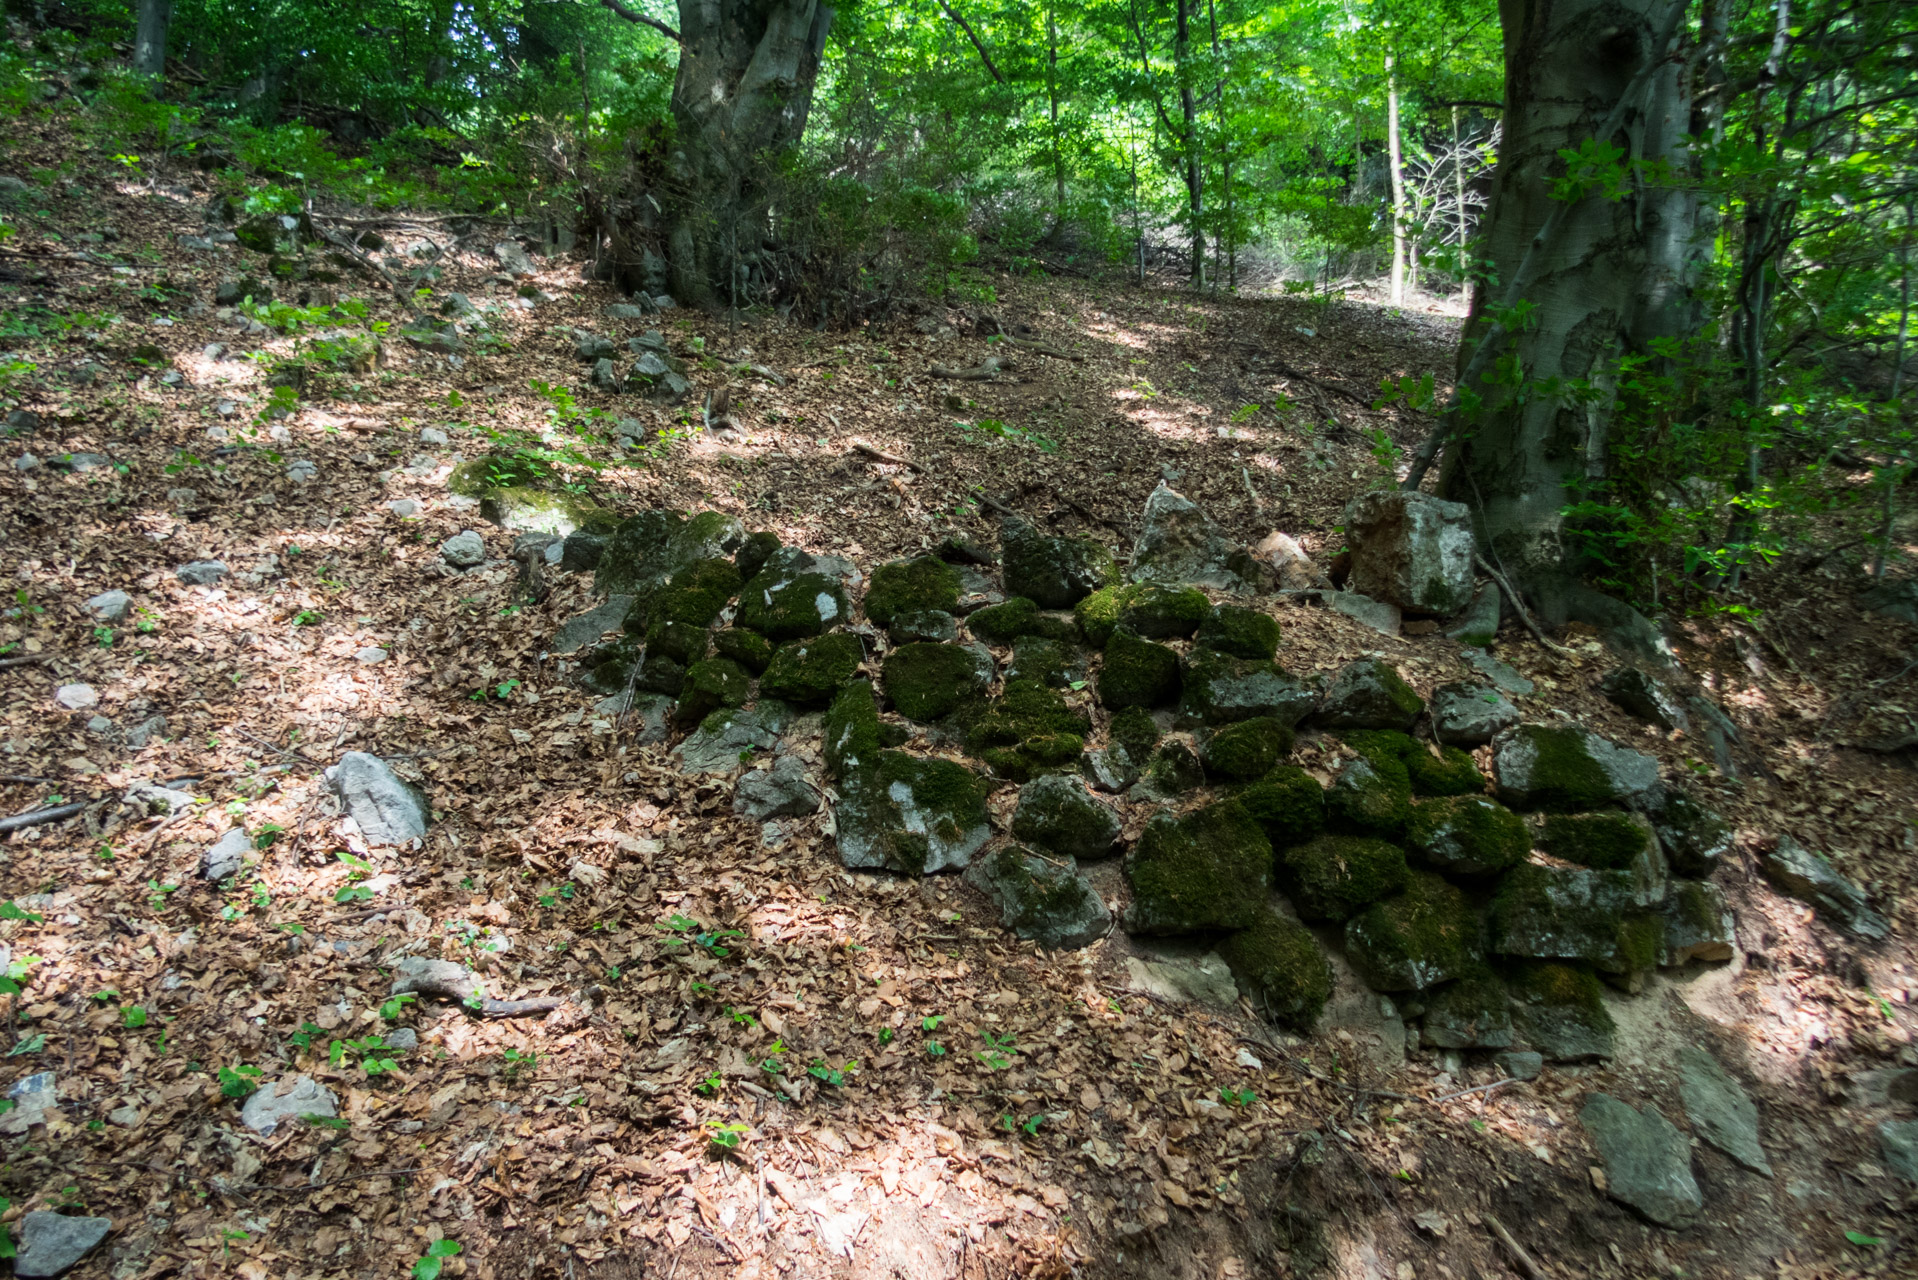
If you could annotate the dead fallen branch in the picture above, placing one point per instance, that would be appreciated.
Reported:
(1040, 348)
(1518, 606)
(1523, 1258)
(985, 371)
(450, 981)
(25, 660)
(880, 455)
(36, 817)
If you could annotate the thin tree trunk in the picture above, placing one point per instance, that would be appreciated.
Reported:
(1395, 159)
(1052, 104)
(1189, 110)
(1458, 194)
(1228, 234)
(1904, 308)
(149, 37)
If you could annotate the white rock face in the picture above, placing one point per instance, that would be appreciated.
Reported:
(77, 697)
(268, 1108)
(110, 606)
(387, 808)
(1410, 549)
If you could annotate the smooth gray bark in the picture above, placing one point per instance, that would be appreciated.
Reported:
(149, 37)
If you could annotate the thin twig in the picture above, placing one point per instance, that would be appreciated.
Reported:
(1524, 1259)
(295, 752)
(25, 660)
(1524, 615)
(880, 455)
(1481, 1088)
(994, 504)
(40, 816)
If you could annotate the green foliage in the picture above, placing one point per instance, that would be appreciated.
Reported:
(239, 1082)
(429, 1265)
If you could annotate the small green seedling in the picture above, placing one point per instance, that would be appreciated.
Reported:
(770, 1064)
(239, 1082)
(392, 1009)
(834, 1076)
(1238, 1097)
(725, 1138)
(517, 1062)
(428, 1267)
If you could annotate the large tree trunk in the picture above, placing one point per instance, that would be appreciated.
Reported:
(1396, 160)
(1604, 278)
(1194, 159)
(149, 37)
(747, 69)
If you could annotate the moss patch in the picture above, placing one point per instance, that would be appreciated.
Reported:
(911, 814)
(905, 586)
(1467, 835)
(787, 607)
(852, 729)
(1219, 689)
(1055, 573)
(809, 672)
(1029, 729)
(1450, 773)
(1473, 1013)
(1551, 913)
(1604, 840)
(680, 641)
(928, 681)
(1004, 623)
(1136, 731)
(694, 595)
(754, 553)
(1415, 939)
(1241, 632)
(1047, 661)
(1369, 800)
(531, 510)
(1246, 750)
(1562, 775)
(1098, 613)
(1137, 673)
(1288, 804)
(1370, 694)
(1174, 769)
(711, 685)
(1333, 877)
(1281, 966)
(1159, 612)
(1208, 870)
(748, 648)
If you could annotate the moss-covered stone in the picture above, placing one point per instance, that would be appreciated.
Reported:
(680, 641)
(808, 673)
(1289, 805)
(1056, 814)
(1098, 614)
(1136, 731)
(1698, 925)
(1029, 729)
(647, 550)
(1047, 661)
(529, 509)
(1174, 769)
(930, 626)
(903, 586)
(926, 682)
(660, 673)
(1333, 877)
(753, 554)
(1560, 1011)
(1467, 836)
(1137, 673)
(1161, 612)
(1246, 750)
(1004, 623)
(1219, 689)
(911, 814)
(1450, 773)
(1608, 841)
(1369, 800)
(1369, 694)
(1693, 837)
(1054, 573)
(1241, 632)
(1567, 769)
(710, 685)
(694, 596)
(852, 729)
(1418, 938)
(1281, 966)
(1210, 869)
(1473, 1013)
(748, 648)
(1041, 899)
(1555, 913)
(785, 606)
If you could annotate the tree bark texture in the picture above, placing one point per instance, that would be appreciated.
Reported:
(1396, 159)
(1194, 160)
(747, 70)
(1604, 278)
(149, 37)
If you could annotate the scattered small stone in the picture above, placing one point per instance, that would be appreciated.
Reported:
(464, 550)
(52, 1242)
(1500, 674)
(227, 857)
(370, 655)
(77, 697)
(300, 470)
(433, 435)
(172, 378)
(22, 422)
(1648, 1163)
(26, 462)
(182, 496)
(126, 1116)
(201, 573)
(146, 731)
(110, 606)
(387, 809)
(1720, 1110)
(100, 725)
(227, 408)
(267, 1108)
(779, 792)
(1469, 715)
(403, 1040)
(1520, 1064)
(1640, 694)
(404, 508)
(1799, 873)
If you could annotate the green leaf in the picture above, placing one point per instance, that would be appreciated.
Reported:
(1860, 1238)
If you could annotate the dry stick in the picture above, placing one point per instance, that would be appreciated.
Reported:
(1480, 1088)
(1040, 348)
(985, 501)
(1524, 616)
(25, 660)
(39, 816)
(30, 779)
(295, 752)
(346, 246)
(1525, 1262)
(880, 455)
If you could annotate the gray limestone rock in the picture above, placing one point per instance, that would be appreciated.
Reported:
(651, 714)
(1376, 614)
(585, 629)
(1369, 694)
(1898, 1144)
(110, 606)
(923, 626)
(267, 1108)
(911, 814)
(387, 809)
(1694, 837)
(715, 746)
(1896, 599)
(1641, 695)
(591, 347)
(1720, 1110)
(77, 697)
(779, 792)
(514, 260)
(201, 573)
(1053, 573)
(1056, 814)
(1520, 1064)
(605, 375)
(146, 731)
(1180, 545)
(1110, 769)
(1410, 549)
(1042, 900)
(1799, 873)
(464, 550)
(1470, 715)
(403, 1040)
(1505, 677)
(1478, 625)
(1204, 980)
(1473, 1013)
(1567, 768)
(1698, 925)
(225, 858)
(1648, 1163)
(52, 1242)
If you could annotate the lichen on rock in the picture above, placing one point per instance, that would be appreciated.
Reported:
(788, 606)
(1210, 869)
(1047, 661)
(1281, 966)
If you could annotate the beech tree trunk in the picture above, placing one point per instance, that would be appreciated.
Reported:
(149, 37)
(1603, 278)
(1395, 158)
(1194, 160)
(747, 70)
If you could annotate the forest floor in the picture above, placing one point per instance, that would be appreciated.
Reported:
(1070, 1124)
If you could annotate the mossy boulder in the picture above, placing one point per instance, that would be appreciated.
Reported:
(1047, 661)
(529, 509)
(1698, 925)
(1449, 773)
(1417, 938)
(1218, 688)
(1289, 805)
(926, 682)
(680, 641)
(1560, 1011)
(1473, 1013)
(1467, 836)
(753, 554)
(927, 626)
(1281, 966)
(1369, 800)
(1173, 770)
(1041, 899)
(808, 673)
(1210, 869)
(1028, 730)
(1054, 573)
(1694, 838)
(1136, 731)
(1098, 614)
(852, 736)
(1137, 673)
(660, 673)
(1607, 840)
(710, 685)
(1557, 913)
(694, 595)
(1160, 612)
(647, 550)
(1567, 769)
(1057, 815)
(1241, 632)
(748, 648)
(911, 814)
(906, 586)
(1334, 877)
(787, 606)
(1004, 623)
(1369, 694)
(1246, 750)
